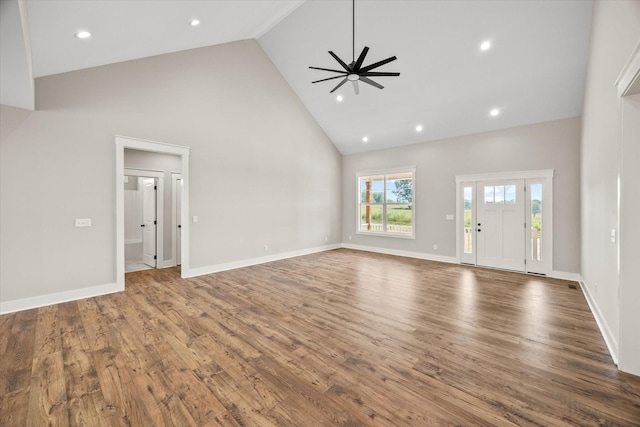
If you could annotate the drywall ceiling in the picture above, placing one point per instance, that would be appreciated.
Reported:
(534, 71)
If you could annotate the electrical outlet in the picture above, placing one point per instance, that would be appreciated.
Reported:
(596, 287)
(326, 239)
(435, 247)
(349, 237)
(266, 248)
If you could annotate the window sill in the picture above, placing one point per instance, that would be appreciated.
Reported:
(379, 234)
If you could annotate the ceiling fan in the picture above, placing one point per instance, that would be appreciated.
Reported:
(355, 72)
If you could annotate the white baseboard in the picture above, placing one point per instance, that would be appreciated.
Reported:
(408, 254)
(609, 338)
(57, 298)
(201, 271)
(167, 263)
(565, 275)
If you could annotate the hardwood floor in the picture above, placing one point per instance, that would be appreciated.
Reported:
(340, 338)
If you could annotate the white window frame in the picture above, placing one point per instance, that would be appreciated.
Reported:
(385, 172)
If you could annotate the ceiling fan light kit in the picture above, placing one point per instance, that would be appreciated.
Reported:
(355, 72)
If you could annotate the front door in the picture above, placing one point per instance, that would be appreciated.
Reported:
(149, 222)
(500, 224)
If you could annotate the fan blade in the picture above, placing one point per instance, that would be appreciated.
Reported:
(339, 84)
(345, 66)
(328, 69)
(360, 60)
(371, 82)
(379, 74)
(356, 88)
(329, 78)
(377, 64)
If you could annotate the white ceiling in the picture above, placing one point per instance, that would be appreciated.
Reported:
(534, 72)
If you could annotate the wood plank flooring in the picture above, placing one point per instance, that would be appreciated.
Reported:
(340, 338)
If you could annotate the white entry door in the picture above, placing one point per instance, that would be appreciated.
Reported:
(500, 224)
(149, 222)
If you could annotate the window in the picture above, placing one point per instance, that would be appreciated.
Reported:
(386, 203)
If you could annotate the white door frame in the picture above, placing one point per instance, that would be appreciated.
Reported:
(626, 351)
(159, 176)
(121, 143)
(528, 176)
(175, 177)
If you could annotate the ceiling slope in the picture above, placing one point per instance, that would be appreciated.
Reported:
(534, 71)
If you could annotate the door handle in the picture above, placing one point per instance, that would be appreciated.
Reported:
(479, 224)
(141, 225)
(179, 226)
(479, 230)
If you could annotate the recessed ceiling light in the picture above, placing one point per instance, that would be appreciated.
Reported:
(83, 34)
(195, 22)
(485, 45)
(365, 139)
(339, 98)
(419, 128)
(494, 112)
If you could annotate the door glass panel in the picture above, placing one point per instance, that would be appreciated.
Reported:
(499, 193)
(488, 195)
(510, 194)
(468, 216)
(536, 222)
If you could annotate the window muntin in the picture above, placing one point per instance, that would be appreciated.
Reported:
(499, 194)
(386, 203)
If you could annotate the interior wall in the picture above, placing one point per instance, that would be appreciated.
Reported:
(549, 145)
(262, 171)
(615, 32)
(159, 162)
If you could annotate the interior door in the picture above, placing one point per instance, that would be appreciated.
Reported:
(500, 224)
(179, 222)
(149, 222)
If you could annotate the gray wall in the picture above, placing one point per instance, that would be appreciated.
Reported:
(551, 145)
(615, 32)
(166, 163)
(262, 171)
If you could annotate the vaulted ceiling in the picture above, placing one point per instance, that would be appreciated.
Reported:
(534, 70)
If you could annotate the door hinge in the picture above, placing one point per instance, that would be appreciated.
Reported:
(155, 187)
(156, 223)
(525, 261)
(155, 257)
(525, 225)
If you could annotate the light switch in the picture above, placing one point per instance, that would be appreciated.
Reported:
(195, 218)
(613, 235)
(83, 222)
(449, 217)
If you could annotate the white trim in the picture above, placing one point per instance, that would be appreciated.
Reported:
(609, 338)
(201, 271)
(175, 177)
(630, 73)
(564, 275)
(58, 298)
(499, 176)
(121, 143)
(385, 171)
(406, 254)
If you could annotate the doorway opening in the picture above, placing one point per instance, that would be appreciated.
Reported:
(505, 221)
(143, 220)
(181, 203)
